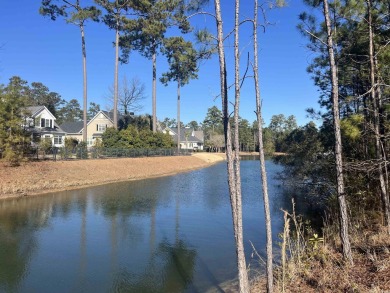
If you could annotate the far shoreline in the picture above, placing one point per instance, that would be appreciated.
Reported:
(45, 177)
(38, 178)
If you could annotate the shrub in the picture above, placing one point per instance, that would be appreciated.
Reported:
(82, 151)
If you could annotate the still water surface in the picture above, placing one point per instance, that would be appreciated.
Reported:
(171, 234)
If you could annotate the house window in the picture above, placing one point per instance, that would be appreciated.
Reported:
(57, 139)
(89, 141)
(46, 123)
(101, 127)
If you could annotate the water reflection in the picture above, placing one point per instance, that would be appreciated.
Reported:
(170, 234)
(169, 269)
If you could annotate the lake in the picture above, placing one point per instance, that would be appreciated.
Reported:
(169, 234)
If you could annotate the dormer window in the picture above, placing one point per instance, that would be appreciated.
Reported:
(46, 123)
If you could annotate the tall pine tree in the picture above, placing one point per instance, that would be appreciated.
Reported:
(74, 13)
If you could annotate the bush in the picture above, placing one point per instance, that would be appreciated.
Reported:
(97, 150)
(81, 150)
(45, 145)
(132, 138)
(68, 149)
(13, 155)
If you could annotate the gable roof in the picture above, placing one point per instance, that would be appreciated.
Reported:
(197, 137)
(35, 110)
(57, 128)
(78, 126)
(109, 114)
(105, 113)
(199, 134)
(72, 127)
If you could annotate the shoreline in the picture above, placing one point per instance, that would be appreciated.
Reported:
(44, 177)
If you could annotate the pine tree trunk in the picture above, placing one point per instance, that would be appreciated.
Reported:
(154, 61)
(375, 105)
(267, 213)
(242, 271)
(343, 217)
(116, 75)
(85, 102)
(234, 188)
(178, 117)
(383, 143)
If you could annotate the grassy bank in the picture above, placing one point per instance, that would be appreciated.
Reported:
(34, 178)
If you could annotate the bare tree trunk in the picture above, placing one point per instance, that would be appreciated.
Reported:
(382, 129)
(343, 218)
(178, 117)
(85, 102)
(154, 57)
(242, 271)
(234, 188)
(267, 212)
(116, 75)
(375, 105)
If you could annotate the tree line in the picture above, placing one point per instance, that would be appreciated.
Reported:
(274, 135)
(343, 163)
(38, 94)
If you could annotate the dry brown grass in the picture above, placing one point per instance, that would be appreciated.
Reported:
(32, 178)
(321, 268)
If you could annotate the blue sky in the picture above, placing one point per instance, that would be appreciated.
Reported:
(38, 49)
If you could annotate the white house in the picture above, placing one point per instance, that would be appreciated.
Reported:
(190, 139)
(41, 123)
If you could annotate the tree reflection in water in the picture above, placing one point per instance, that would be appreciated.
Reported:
(18, 243)
(169, 234)
(170, 269)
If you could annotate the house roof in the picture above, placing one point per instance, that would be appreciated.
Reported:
(105, 113)
(72, 127)
(58, 128)
(186, 135)
(78, 126)
(46, 130)
(35, 110)
(109, 114)
(199, 134)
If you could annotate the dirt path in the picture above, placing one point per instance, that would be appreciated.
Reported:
(35, 178)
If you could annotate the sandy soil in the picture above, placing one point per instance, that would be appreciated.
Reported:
(35, 178)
